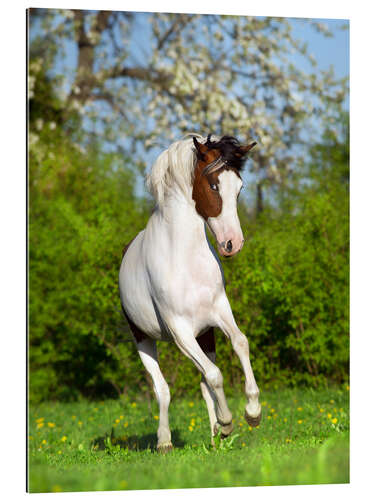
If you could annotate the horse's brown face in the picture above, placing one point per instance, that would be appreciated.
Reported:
(215, 192)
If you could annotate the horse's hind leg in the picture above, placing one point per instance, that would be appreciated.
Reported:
(148, 353)
(207, 344)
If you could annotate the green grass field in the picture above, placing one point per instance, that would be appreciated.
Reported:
(303, 439)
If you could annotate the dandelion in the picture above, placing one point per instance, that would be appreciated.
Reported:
(264, 403)
(288, 440)
(117, 420)
(269, 417)
(63, 439)
(272, 410)
(285, 419)
(299, 421)
(126, 424)
(243, 444)
(191, 404)
(347, 387)
(39, 420)
(334, 420)
(80, 423)
(40, 425)
(329, 415)
(44, 441)
(190, 428)
(74, 417)
(299, 408)
(250, 428)
(121, 417)
(274, 415)
(133, 405)
(322, 410)
(240, 424)
(59, 452)
(331, 401)
(156, 417)
(51, 424)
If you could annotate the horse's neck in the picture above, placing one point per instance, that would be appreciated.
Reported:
(179, 222)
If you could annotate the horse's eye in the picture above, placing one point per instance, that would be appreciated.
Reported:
(213, 187)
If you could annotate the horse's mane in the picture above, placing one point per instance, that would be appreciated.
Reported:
(174, 168)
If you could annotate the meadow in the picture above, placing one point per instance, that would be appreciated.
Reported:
(111, 445)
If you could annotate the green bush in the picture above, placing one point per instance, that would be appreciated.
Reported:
(288, 287)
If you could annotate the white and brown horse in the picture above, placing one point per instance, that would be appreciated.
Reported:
(171, 280)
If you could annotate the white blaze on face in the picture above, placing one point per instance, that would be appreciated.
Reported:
(226, 226)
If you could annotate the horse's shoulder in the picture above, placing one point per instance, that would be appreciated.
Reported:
(126, 247)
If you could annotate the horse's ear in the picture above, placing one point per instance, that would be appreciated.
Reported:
(200, 149)
(245, 149)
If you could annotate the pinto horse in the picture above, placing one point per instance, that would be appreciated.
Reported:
(171, 280)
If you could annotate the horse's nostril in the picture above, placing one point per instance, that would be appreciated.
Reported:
(229, 246)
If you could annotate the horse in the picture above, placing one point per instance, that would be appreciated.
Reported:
(171, 280)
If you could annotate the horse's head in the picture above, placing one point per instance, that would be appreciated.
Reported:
(216, 186)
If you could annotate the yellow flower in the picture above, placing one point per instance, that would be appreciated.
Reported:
(59, 452)
(243, 444)
(156, 417)
(192, 422)
(51, 424)
(117, 420)
(329, 415)
(39, 420)
(285, 419)
(299, 421)
(288, 440)
(79, 423)
(299, 408)
(121, 417)
(56, 488)
(264, 403)
(322, 410)
(74, 417)
(40, 425)
(272, 410)
(126, 424)
(334, 420)
(133, 405)
(331, 401)
(274, 415)
(240, 424)
(269, 417)
(190, 428)
(347, 387)
(191, 404)
(44, 441)
(250, 428)
(63, 439)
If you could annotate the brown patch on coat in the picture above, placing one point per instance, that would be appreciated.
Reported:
(207, 341)
(208, 203)
(137, 333)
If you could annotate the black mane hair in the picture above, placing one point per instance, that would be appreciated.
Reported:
(229, 148)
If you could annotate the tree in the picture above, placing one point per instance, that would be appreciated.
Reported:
(206, 73)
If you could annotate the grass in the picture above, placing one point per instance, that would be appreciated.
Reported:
(303, 439)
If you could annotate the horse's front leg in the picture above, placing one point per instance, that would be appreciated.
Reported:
(226, 322)
(187, 343)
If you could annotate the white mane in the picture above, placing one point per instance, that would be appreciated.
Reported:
(174, 169)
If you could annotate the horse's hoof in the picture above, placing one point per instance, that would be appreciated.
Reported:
(253, 421)
(164, 448)
(225, 429)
